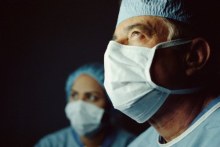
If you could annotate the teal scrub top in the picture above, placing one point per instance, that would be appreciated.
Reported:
(67, 137)
(203, 132)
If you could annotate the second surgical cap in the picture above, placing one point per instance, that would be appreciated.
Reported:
(173, 9)
(94, 70)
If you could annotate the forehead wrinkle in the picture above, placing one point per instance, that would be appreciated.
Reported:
(146, 27)
(86, 91)
(143, 27)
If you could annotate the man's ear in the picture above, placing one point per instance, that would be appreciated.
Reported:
(197, 56)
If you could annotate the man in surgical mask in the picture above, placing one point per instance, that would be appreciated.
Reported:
(162, 66)
(90, 113)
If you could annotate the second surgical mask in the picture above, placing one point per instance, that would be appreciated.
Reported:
(85, 118)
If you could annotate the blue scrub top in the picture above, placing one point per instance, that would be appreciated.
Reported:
(106, 143)
(67, 137)
(203, 132)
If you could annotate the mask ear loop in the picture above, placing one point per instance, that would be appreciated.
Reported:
(186, 91)
(172, 43)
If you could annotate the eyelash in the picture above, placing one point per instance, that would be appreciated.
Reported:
(135, 32)
(89, 97)
(136, 35)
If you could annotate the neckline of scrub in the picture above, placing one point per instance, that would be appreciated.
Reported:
(206, 112)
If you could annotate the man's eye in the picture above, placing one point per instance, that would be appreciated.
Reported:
(135, 34)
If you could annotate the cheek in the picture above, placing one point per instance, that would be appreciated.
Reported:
(101, 103)
(159, 72)
(166, 69)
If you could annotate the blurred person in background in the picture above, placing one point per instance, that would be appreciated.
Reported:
(90, 113)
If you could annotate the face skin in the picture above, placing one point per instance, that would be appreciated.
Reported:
(141, 31)
(147, 31)
(173, 68)
(88, 89)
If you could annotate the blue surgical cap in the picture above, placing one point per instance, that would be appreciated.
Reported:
(173, 9)
(95, 70)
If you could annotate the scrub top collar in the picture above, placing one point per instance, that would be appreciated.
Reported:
(109, 138)
(203, 115)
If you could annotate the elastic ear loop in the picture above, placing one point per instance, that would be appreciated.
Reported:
(172, 43)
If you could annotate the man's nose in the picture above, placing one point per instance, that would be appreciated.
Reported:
(82, 97)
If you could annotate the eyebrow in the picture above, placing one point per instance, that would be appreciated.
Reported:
(147, 29)
(92, 91)
(140, 26)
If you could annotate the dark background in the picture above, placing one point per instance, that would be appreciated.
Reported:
(41, 43)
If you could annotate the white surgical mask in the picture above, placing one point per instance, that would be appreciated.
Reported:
(128, 80)
(85, 118)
